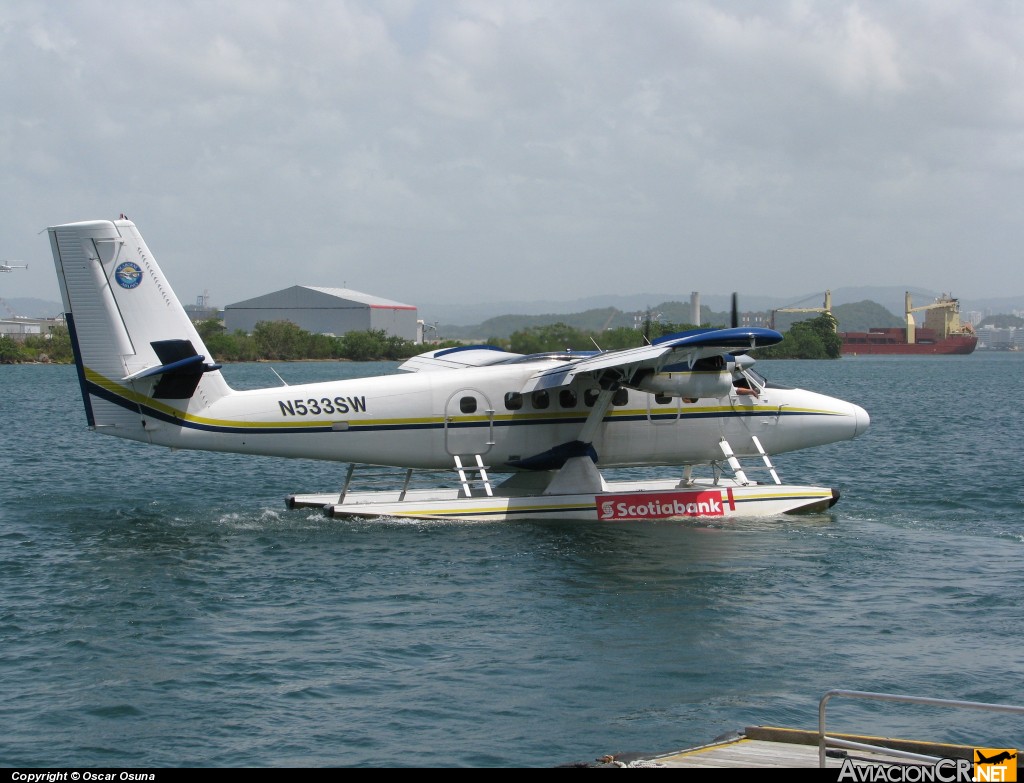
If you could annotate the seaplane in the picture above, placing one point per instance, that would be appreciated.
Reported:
(512, 436)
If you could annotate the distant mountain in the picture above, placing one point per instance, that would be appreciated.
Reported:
(475, 319)
(856, 309)
(468, 313)
(890, 297)
(30, 308)
(863, 316)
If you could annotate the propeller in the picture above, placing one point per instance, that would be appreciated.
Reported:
(735, 311)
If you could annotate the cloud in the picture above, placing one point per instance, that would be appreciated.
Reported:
(440, 151)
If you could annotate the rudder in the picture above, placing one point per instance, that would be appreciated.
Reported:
(139, 357)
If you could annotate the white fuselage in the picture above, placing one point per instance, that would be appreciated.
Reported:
(423, 419)
(145, 374)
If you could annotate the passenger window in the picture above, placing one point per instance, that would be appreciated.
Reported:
(513, 401)
(467, 405)
(590, 397)
(621, 396)
(662, 399)
(567, 398)
(540, 399)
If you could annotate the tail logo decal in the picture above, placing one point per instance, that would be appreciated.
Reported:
(128, 275)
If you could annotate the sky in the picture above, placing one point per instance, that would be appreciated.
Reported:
(445, 151)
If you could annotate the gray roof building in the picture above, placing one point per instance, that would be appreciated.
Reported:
(324, 311)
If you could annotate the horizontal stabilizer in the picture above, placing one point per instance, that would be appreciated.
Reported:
(181, 364)
(181, 369)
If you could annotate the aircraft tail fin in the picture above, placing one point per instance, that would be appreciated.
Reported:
(141, 362)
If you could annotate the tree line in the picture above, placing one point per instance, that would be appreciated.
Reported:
(284, 341)
(814, 338)
(270, 340)
(53, 347)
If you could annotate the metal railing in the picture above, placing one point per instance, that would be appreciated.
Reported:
(825, 741)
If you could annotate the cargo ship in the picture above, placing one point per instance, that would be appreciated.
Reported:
(941, 334)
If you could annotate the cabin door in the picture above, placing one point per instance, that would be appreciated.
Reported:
(663, 410)
(468, 423)
(755, 412)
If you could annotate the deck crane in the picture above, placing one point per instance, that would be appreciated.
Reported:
(827, 308)
(944, 324)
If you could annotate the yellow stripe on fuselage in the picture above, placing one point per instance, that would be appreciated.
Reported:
(136, 398)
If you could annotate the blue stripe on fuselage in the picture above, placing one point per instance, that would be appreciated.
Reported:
(519, 421)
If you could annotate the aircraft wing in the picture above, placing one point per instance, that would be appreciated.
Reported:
(679, 348)
(456, 358)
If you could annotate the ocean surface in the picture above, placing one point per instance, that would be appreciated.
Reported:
(163, 609)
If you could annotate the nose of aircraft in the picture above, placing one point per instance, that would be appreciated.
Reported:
(852, 421)
(861, 420)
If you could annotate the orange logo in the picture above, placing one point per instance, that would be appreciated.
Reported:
(995, 764)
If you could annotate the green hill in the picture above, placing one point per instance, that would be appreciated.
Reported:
(856, 317)
(862, 316)
(597, 320)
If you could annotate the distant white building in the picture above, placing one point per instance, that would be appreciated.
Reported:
(324, 311)
(1001, 338)
(20, 328)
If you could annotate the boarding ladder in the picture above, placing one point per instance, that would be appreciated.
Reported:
(481, 475)
(734, 464)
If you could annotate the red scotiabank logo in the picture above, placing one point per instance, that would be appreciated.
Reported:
(661, 505)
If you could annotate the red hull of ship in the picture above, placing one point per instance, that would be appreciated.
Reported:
(894, 341)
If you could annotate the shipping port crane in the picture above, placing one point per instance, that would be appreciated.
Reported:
(827, 308)
(944, 324)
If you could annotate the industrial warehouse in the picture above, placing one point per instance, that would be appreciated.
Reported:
(324, 311)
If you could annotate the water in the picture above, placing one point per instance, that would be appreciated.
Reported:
(163, 609)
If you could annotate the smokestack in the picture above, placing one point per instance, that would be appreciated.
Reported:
(695, 308)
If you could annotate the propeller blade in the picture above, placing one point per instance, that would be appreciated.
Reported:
(735, 311)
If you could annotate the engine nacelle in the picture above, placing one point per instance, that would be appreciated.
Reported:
(690, 385)
(709, 377)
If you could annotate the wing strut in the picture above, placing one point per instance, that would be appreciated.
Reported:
(556, 457)
(596, 416)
